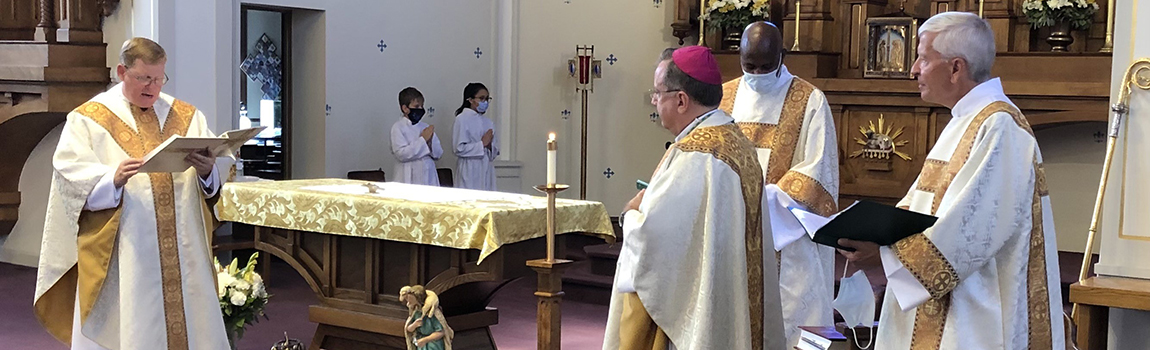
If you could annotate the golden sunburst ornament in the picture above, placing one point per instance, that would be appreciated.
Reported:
(880, 143)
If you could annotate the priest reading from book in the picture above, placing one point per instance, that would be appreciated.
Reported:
(126, 260)
(697, 269)
(790, 124)
(985, 276)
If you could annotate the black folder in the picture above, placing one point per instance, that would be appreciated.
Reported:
(873, 222)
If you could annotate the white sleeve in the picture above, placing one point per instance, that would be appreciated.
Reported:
(211, 185)
(908, 292)
(105, 195)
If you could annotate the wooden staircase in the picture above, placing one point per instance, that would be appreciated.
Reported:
(589, 279)
(52, 59)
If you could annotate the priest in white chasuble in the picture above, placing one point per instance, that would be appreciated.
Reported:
(790, 124)
(126, 261)
(985, 276)
(696, 270)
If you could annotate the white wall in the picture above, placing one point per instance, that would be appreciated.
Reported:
(1072, 156)
(22, 246)
(621, 135)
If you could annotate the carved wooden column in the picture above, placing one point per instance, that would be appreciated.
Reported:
(686, 23)
(18, 19)
(853, 29)
(46, 28)
(550, 294)
(79, 21)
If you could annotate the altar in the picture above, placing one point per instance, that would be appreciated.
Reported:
(357, 243)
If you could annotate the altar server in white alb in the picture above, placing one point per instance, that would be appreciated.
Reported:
(414, 143)
(697, 269)
(126, 261)
(985, 276)
(790, 124)
(475, 143)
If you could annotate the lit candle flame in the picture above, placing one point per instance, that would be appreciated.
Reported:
(551, 137)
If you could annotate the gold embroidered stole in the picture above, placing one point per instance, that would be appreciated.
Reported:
(727, 143)
(137, 143)
(930, 267)
(782, 139)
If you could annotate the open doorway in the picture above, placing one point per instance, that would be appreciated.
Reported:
(265, 90)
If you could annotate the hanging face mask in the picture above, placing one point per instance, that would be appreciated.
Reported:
(762, 83)
(415, 114)
(855, 303)
(482, 108)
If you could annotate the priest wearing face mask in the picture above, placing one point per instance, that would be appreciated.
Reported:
(414, 143)
(790, 124)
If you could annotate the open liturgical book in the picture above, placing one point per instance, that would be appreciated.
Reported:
(169, 156)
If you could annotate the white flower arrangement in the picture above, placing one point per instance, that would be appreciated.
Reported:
(242, 296)
(1045, 13)
(723, 14)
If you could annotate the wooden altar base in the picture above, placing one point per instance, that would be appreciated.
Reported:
(357, 281)
(342, 329)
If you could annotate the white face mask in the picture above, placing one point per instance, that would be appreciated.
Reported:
(855, 303)
(762, 83)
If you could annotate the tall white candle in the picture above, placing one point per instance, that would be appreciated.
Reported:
(552, 149)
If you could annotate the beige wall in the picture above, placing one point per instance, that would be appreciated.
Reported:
(621, 137)
(22, 246)
(1072, 155)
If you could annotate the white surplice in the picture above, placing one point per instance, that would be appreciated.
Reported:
(684, 254)
(416, 157)
(129, 310)
(806, 272)
(474, 167)
(976, 255)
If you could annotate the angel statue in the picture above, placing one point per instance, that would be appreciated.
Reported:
(426, 328)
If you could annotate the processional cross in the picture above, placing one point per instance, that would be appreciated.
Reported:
(586, 69)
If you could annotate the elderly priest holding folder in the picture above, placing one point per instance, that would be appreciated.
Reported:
(985, 275)
(126, 258)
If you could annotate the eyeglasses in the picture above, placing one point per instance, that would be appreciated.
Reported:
(656, 92)
(146, 80)
(488, 98)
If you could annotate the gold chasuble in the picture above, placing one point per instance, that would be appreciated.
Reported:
(140, 273)
(985, 275)
(792, 129)
(693, 272)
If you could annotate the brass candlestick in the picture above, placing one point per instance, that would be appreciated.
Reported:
(702, 28)
(980, 3)
(1108, 45)
(795, 47)
(551, 191)
(1120, 109)
(550, 284)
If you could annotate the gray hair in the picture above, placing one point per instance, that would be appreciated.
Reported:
(676, 79)
(963, 35)
(143, 49)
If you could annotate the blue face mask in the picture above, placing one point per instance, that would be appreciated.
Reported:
(482, 108)
(415, 114)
